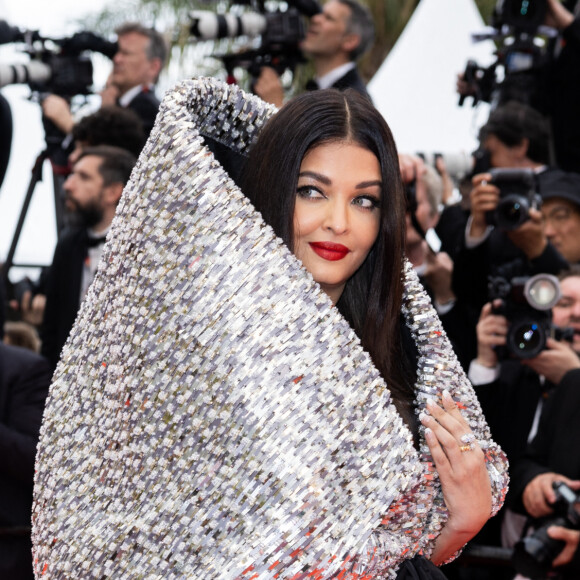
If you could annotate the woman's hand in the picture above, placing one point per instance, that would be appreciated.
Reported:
(464, 479)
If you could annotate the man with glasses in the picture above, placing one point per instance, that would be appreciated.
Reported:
(561, 215)
(514, 137)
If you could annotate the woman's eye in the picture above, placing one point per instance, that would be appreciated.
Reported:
(367, 202)
(309, 192)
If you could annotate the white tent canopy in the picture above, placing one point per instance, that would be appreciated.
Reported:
(414, 88)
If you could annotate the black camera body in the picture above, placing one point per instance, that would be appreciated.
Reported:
(534, 554)
(65, 70)
(524, 47)
(526, 303)
(279, 49)
(281, 32)
(525, 15)
(518, 194)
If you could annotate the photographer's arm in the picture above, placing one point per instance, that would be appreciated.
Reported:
(268, 87)
(572, 539)
(484, 197)
(491, 333)
(411, 167)
(548, 456)
(57, 110)
(109, 94)
(530, 236)
(558, 16)
(555, 361)
(538, 495)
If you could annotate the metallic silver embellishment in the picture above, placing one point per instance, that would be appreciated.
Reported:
(212, 415)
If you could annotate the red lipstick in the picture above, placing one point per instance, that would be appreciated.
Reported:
(329, 251)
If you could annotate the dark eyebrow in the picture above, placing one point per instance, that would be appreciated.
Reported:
(327, 181)
(365, 184)
(317, 176)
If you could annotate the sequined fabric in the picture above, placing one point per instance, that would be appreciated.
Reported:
(212, 415)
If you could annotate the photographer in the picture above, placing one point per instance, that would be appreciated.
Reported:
(551, 85)
(24, 381)
(510, 388)
(560, 94)
(137, 64)
(434, 267)
(93, 191)
(336, 38)
(515, 137)
(561, 215)
(514, 392)
(110, 125)
(553, 454)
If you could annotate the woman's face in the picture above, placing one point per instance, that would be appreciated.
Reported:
(337, 213)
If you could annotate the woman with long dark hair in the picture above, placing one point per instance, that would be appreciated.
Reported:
(323, 173)
(257, 386)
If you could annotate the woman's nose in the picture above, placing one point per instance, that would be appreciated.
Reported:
(336, 218)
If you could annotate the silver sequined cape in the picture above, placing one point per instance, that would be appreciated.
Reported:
(212, 416)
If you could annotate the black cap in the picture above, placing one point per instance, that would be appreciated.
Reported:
(556, 183)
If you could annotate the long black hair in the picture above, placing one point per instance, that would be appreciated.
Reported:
(371, 299)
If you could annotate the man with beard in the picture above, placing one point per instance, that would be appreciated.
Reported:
(517, 395)
(92, 193)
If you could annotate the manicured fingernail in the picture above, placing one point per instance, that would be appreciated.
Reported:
(424, 417)
(429, 433)
(431, 403)
(447, 395)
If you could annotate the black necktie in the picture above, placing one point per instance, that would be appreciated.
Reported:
(311, 85)
(94, 242)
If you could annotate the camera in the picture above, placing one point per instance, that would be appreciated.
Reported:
(524, 47)
(281, 33)
(517, 190)
(64, 70)
(534, 554)
(525, 15)
(526, 303)
(460, 165)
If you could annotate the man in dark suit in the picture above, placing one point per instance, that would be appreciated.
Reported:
(24, 382)
(514, 137)
(136, 67)
(553, 456)
(92, 191)
(336, 38)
